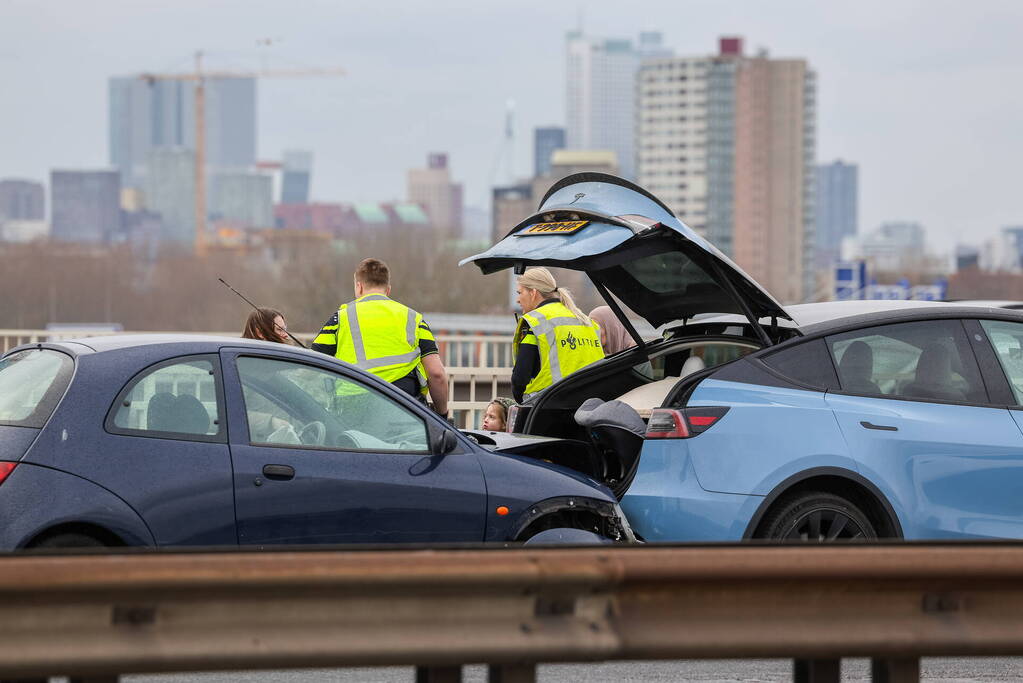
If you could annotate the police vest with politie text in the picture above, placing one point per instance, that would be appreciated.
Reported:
(382, 336)
(564, 342)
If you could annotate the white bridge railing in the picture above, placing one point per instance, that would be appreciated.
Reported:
(478, 365)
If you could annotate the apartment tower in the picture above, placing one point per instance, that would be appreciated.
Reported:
(600, 87)
(728, 142)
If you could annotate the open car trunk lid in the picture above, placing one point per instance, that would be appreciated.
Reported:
(630, 243)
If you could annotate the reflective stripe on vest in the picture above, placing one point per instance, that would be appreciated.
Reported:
(557, 361)
(391, 367)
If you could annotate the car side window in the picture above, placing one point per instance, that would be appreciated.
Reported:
(291, 404)
(807, 363)
(1007, 339)
(176, 399)
(921, 360)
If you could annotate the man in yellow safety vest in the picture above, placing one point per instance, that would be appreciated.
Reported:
(386, 338)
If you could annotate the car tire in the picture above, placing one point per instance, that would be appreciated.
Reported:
(69, 540)
(567, 536)
(816, 517)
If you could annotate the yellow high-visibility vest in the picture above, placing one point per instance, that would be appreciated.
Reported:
(382, 336)
(566, 344)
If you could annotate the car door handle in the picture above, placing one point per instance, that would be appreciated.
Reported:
(883, 428)
(279, 471)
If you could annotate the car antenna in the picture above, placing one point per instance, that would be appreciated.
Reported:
(293, 338)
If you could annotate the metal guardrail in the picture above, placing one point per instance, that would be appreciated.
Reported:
(106, 615)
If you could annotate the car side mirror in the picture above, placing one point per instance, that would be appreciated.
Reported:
(446, 443)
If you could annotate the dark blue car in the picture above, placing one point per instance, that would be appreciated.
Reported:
(201, 441)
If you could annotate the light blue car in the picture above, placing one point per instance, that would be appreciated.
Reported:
(748, 419)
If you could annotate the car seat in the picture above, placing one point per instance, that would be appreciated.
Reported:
(692, 364)
(190, 415)
(856, 369)
(183, 414)
(158, 412)
(616, 431)
(934, 378)
(644, 398)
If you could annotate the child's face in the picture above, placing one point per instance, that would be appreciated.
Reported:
(492, 420)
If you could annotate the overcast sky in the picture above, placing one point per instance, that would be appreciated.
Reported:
(926, 96)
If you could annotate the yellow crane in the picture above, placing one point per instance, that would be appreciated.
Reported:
(199, 77)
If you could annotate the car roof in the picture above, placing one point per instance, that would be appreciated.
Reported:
(824, 312)
(202, 342)
(827, 315)
(989, 303)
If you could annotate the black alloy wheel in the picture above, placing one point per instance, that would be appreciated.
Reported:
(817, 517)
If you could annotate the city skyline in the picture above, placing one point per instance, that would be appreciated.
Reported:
(947, 162)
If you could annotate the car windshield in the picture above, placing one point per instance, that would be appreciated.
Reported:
(31, 383)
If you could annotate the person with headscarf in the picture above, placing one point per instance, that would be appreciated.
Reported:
(613, 335)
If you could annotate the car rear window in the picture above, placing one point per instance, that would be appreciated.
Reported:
(31, 384)
(807, 363)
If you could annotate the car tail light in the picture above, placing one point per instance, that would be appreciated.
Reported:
(701, 419)
(5, 469)
(667, 423)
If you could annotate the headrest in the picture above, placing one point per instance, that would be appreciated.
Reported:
(692, 364)
(183, 414)
(935, 364)
(857, 361)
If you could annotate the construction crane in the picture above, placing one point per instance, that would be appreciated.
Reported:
(199, 77)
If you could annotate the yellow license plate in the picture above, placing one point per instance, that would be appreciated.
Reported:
(562, 228)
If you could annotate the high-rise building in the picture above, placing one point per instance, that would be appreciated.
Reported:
(1012, 239)
(145, 115)
(510, 205)
(896, 247)
(600, 88)
(565, 162)
(545, 141)
(728, 142)
(295, 173)
(21, 200)
(965, 257)
(243, 198)
(85, 205)
(835, 208)
(170, 192)
(441, 198)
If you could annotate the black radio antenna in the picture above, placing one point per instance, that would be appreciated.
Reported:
(254, 306)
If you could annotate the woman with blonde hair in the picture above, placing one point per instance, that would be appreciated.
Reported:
(553, 338)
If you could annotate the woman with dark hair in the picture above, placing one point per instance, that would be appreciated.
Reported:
(266, 422)
(266, 324)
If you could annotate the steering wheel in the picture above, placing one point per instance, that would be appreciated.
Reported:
(313, 434)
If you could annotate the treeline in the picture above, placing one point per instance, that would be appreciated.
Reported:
(42, 283)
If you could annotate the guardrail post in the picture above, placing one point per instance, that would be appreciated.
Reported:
(512, 673)
(895, 670)
(817, 671)
(438, 674)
